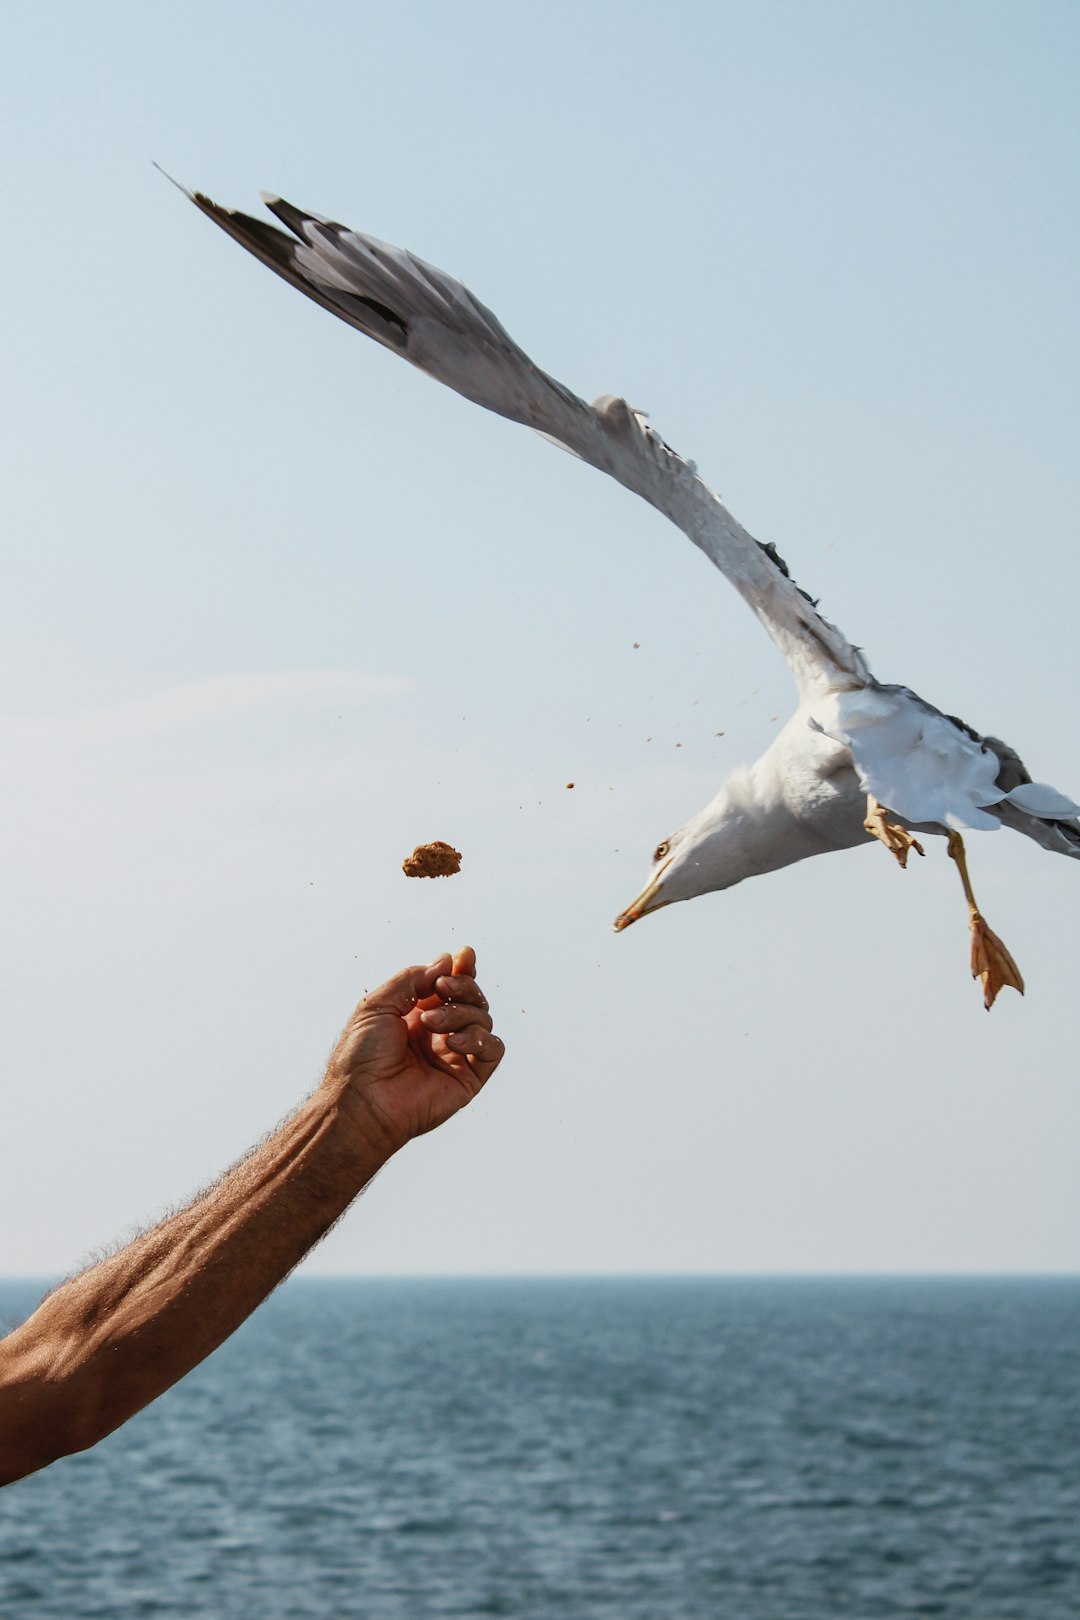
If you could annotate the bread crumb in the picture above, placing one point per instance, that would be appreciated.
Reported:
(432, 860)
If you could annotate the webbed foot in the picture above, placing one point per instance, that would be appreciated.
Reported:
(897, 840)
(990, 960)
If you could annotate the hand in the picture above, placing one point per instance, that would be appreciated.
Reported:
(416, 1050)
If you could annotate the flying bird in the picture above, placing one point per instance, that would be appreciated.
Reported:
(857, 760)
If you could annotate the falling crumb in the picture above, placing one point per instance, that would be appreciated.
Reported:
(637, 644)
(718, 734)
(678, 745)
(432, 860)
(569, 784)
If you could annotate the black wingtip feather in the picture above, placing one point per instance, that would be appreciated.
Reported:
(263, 239)
(278, 252)
(294, 218)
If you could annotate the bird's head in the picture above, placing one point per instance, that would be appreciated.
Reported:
(715, 849)
(746, 830)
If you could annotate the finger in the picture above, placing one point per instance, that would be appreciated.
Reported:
(455, 1015)
(479, 1044)
(425, 989)
(400, 993)
(460, 987)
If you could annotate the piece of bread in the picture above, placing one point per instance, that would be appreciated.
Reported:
(432, 860)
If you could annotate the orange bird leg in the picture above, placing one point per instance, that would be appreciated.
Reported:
(990, 961)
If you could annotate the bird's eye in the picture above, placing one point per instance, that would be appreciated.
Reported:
(661, 850)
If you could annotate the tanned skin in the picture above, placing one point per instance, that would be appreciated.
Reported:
(108, 1342)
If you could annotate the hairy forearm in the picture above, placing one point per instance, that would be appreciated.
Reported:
(413, 1053)
(111, 1340)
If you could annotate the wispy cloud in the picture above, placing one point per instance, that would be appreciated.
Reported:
(196, 704)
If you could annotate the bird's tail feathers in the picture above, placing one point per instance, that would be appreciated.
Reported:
(1060, 836)
(1043, 801)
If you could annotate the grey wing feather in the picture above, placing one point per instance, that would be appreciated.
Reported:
(435, 323)
(1059, 834)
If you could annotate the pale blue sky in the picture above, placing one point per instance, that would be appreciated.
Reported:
(275, 607)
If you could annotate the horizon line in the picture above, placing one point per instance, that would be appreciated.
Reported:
(912, 1275)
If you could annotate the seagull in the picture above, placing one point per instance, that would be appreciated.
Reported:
(857, 760)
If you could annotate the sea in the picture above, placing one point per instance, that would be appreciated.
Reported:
(585, 1449)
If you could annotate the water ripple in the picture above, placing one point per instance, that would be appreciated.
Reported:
(628, 1450)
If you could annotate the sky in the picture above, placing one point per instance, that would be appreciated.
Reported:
(276, 607)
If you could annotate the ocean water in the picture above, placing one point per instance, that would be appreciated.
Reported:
(590, 1449)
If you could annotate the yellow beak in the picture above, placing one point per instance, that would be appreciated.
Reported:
(642, 905)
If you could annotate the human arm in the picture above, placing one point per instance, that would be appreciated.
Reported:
(111, 1340)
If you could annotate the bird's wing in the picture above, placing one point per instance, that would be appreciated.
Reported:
(436, 324)
(936, 771)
